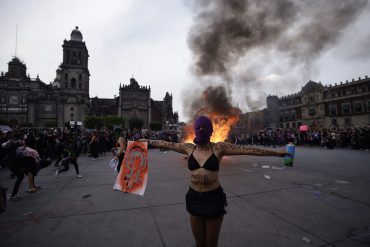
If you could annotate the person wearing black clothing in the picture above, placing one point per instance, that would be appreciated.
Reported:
(2, 150)
(25, 165)
(94, 146)
(21, 165)
(121, 143)
(205, 200)
(10, 148)
(69, 155)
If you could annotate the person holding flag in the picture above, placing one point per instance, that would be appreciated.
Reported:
(205, 199)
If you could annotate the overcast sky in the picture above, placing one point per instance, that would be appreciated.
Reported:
(149, 41)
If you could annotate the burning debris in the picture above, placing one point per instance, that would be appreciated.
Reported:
(214, 104)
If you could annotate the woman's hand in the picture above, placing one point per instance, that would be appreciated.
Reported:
(287, 154)
(283, 154)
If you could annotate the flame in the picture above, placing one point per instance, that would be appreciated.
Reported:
(222, 125)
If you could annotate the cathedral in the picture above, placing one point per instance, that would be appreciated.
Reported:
(30, 101)
(134, 101)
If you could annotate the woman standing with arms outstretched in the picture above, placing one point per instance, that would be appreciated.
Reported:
(205, 200)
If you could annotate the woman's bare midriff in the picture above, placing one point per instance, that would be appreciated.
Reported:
(202, 180)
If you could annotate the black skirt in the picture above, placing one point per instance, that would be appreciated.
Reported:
(208, 205)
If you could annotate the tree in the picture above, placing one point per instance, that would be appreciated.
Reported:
(27, 124)
(3, 122)
(110, 120)
(135, 122)
(93, 122)
(49, 124)
(155, 126)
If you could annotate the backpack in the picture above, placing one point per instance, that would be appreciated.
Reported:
(24, 151)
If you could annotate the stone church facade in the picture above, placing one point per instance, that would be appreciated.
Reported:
(66, 100)
(27, 100)
(134, 101)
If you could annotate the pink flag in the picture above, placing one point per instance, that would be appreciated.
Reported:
(134, 169)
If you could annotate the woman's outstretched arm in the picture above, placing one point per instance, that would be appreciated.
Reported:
(231, 149)
(183, 148)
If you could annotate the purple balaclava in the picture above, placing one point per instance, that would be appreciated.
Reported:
(203, 136)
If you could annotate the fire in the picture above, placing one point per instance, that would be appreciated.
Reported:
(222, 125)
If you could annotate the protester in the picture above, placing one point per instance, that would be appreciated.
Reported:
(3, 199)
(205, 199)
(121, 143)
(94, 146)
(23, 161)
(70, 155)
(3, 158)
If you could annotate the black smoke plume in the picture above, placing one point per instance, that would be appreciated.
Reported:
(226, 35)
(213, 99)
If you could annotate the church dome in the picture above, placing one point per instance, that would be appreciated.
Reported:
(76, 35)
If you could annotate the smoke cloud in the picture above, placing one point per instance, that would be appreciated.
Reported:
(212, 99)
(244, 41)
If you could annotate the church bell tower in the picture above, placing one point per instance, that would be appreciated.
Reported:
(73, 79)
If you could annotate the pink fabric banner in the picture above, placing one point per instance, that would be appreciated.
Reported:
(133, 175)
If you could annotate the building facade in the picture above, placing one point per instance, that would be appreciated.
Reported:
(104, 106)
(134, 101)
(27, 100)
(323, 106)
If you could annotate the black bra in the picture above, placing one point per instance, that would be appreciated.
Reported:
(211, 164)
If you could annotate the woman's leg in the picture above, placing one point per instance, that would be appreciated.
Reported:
(17, 183)
(30, 167)
(75, 164)
(198, 227)
(213, 227)
(65, 165)
(120, 160)
(31, 182)
(58, 160)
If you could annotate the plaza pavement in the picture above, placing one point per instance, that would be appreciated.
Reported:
(323, 200)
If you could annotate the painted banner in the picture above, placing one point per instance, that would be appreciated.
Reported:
(134, 169)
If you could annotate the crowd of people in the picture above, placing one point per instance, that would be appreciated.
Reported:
(27, 151)
(350, 137)
(63, 147)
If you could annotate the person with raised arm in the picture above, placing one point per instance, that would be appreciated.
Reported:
(205, 199)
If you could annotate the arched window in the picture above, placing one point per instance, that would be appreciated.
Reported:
(73, 83)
